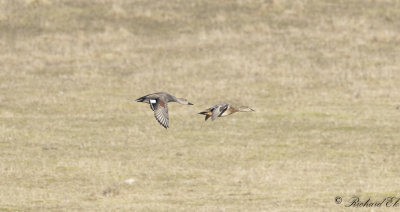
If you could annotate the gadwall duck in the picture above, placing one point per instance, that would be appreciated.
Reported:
(223, 109)
(159, 104)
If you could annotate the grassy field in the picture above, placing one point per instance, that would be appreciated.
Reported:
(322, 75)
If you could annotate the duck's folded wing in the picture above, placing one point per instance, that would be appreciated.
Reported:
(161, 112)
(218, 110)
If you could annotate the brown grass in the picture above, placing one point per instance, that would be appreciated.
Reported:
(322, 75)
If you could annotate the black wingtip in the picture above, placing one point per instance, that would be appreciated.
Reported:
(190, 103)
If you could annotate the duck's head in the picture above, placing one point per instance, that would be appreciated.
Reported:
(245, 109)
(183, 101)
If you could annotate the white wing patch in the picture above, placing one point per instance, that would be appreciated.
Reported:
(153, 103)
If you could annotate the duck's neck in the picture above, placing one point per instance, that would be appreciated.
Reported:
(235, 109)
(172, 98)
(179, 100)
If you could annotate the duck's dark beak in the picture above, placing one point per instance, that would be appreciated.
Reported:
(190, 103)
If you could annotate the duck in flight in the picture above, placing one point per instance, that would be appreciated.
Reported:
(223, 109)
(159, 104)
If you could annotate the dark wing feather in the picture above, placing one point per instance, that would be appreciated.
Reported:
(161, 112)
(153, 103)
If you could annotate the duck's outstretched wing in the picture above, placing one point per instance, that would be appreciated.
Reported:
(160, 108)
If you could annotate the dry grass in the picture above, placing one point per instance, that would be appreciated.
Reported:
(323, 76)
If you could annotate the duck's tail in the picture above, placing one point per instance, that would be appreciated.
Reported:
(206, 114)
(141, 99)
